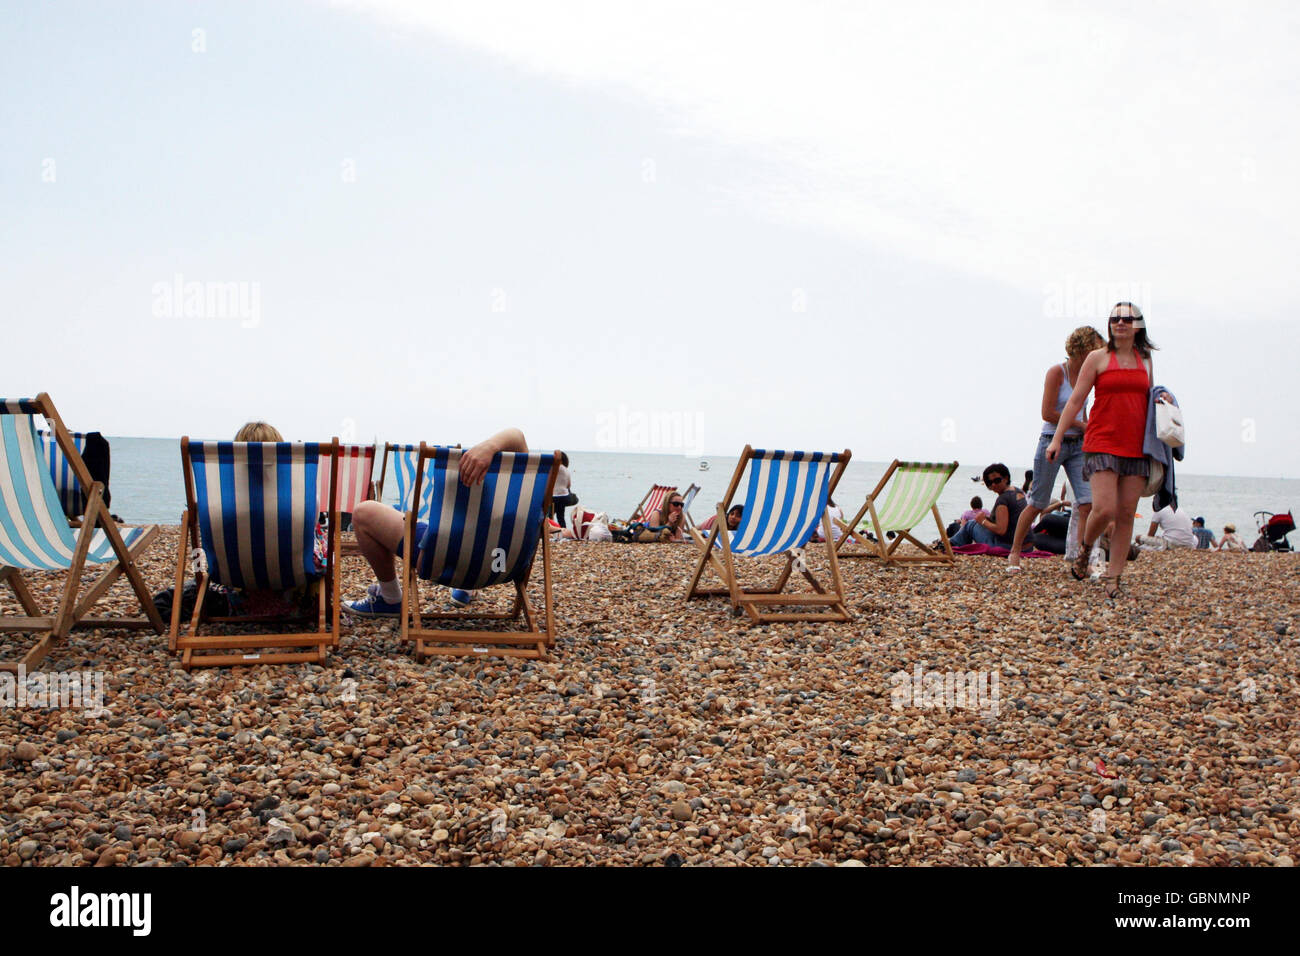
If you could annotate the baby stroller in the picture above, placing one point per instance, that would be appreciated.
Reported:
(1273, 529)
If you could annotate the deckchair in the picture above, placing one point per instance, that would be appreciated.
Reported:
(35, 535)
(479, 536)
(786, 498)
(356, 469)
(652, 502)
(687, 498)
(404, 459)
(914, 491)
(250, 522)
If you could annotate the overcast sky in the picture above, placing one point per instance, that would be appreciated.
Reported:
(794, 225)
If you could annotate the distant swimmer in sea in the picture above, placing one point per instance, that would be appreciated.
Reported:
(1058, 386)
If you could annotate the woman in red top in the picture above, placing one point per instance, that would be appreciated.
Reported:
(1114, 464)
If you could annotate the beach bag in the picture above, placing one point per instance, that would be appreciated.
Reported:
(1155, 479)
(1169, 424)
(598, 528)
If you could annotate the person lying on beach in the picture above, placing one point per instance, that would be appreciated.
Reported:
(734, 514)
(380, 529)
(672, 517)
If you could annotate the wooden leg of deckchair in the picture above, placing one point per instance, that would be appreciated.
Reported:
(179, 585)
(707, 555)
(196, 618)
(881, 549)
(836, 581)
(106, 580)
(548, 595)
(943, 535)
(335, 581)
(67, 602)
(733, 586)
(97, 514)
(14, 579)
(851, 532)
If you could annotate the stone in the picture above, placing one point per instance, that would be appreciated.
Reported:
(681, 811)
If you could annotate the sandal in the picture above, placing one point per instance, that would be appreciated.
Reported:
(1113, 590)
(1079, 566)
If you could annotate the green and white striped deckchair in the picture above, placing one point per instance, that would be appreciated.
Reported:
(35, 535)
(914, 491)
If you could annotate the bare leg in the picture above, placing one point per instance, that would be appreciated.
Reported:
(1129, 491)
(1022, 530)
(379, 530)
(1104, 510)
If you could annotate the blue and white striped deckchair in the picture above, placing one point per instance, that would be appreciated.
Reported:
(913, 493)
(35, 534)
(71, 497)
(250, 524)
(785, 501)
(404, 460)
(480, 536)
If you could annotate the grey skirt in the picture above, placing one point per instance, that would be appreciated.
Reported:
(1094, 462)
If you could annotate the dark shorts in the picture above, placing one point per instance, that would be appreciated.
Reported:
(420, 528)
(1094, 462)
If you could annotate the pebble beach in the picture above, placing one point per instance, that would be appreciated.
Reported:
(1156, 731)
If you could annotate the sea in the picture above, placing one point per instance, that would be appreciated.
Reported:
(148, 488)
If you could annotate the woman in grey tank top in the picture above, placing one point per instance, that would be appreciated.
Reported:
(1057, 387)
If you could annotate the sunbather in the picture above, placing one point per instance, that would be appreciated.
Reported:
(380, 532)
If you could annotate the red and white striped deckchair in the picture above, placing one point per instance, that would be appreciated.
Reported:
(652, 502)
(356, 469)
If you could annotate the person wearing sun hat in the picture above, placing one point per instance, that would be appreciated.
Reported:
(1115, 464)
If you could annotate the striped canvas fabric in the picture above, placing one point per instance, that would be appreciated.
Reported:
(580, 520)
(689, 496)
(71, 497)
(658, 493)
(34, 531)
(356, 468)
(485, 534)
(785, 500)
(257, 505)
(404, 458)
(914, 487)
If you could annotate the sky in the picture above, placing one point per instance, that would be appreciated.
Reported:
(640, 227)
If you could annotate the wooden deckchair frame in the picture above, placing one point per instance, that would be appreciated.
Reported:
(204, 650)
(71, 612)
(688, 499)
(534, 642)
(888, 553)
(636, 513)
(757, 602)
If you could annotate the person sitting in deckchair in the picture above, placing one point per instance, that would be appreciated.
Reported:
(380, 530)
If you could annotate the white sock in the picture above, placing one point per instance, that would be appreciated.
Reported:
(390, 591)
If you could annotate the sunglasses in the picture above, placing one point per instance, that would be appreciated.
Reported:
(1123, 319)
(674, 504)
(996, 480)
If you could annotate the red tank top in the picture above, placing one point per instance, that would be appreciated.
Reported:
(1118, 423)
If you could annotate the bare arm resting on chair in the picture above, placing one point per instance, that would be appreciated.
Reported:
(474, 463)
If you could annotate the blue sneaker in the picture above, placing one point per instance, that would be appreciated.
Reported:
(461, 598)
(372, 605)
